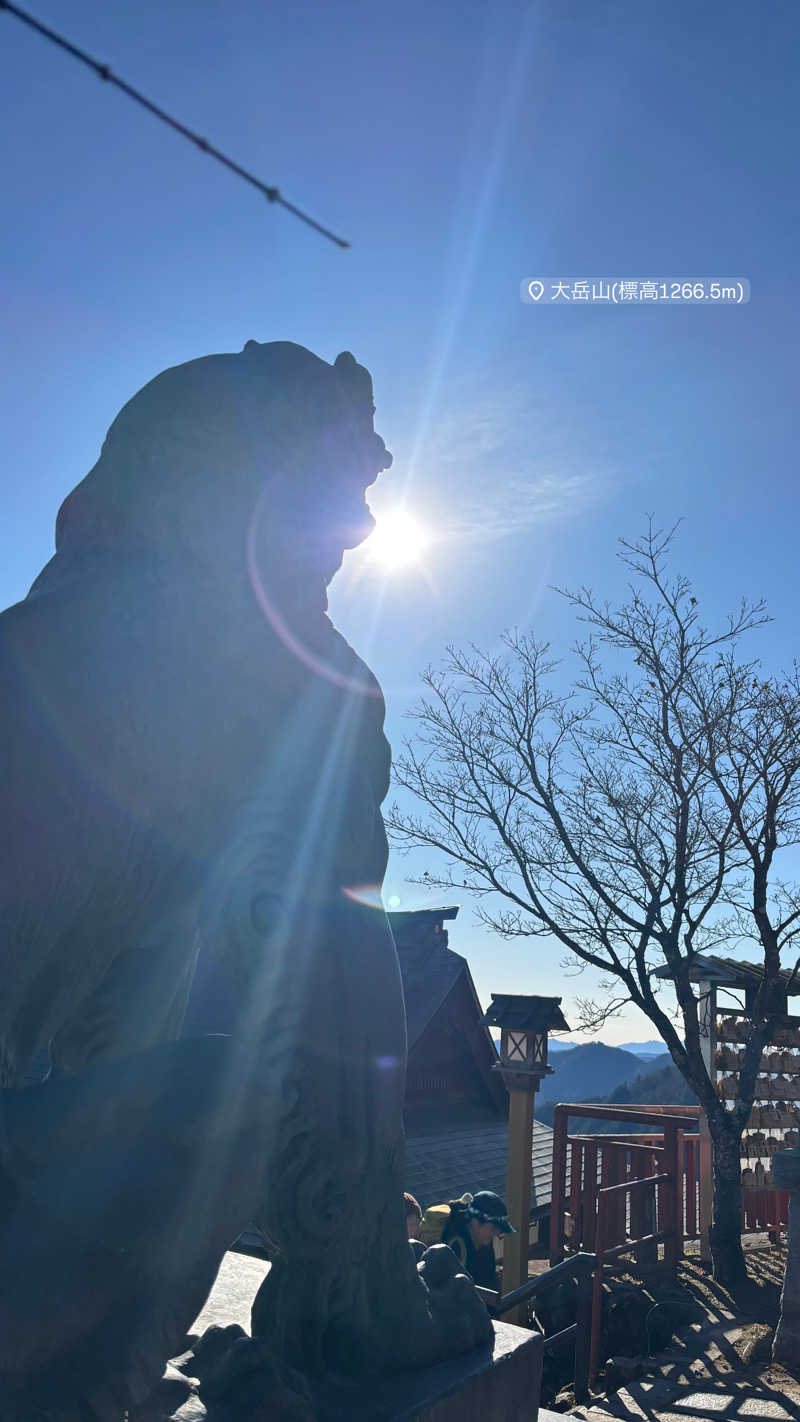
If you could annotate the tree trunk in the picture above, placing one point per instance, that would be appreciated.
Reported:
(726, 1228)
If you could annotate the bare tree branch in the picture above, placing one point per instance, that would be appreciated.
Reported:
(636, 818)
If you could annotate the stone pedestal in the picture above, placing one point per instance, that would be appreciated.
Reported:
(491, 1384)
(786, 1174)
(229, 1377)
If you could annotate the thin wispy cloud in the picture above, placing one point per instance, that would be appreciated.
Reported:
(506, 462)
(521, 502)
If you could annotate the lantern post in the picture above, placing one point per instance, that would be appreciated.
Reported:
(524, 1024)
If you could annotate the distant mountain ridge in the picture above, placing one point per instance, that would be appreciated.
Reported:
(661, 1085)
(639, 1049)
(588, 1071)
(645, 1049)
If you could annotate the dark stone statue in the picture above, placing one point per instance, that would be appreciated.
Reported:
(193, 758)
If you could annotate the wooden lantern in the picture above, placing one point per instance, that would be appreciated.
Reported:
(524, 1024)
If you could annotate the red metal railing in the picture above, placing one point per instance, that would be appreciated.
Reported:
(583, 1165)
(765, 1210)
(613, 1195)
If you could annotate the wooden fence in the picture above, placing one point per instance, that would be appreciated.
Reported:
(616, 1195)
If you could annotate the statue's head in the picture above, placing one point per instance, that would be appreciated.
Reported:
(272, 445)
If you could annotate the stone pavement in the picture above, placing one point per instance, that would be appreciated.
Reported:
(656, 1400)
(235, 1287)
(713, 1386)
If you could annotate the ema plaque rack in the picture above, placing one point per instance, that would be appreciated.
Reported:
(775, 1117)
(774, 1122)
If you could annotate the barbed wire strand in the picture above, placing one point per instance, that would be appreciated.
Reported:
(272, 194)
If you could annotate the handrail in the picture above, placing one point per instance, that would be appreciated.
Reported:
(627, 1145)
(577, 1266)
(628, 1185)
(624, 1113)
(599, 1207)
(581, 1268)
(605, 1251)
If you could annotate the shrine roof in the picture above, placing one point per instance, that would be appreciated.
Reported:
(442, 1161)
(729, 972)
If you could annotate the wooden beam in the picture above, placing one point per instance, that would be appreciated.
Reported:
(680, 1114)
(557, 1201)
(519, 1170)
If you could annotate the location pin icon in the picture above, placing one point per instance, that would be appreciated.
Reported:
(535, 289)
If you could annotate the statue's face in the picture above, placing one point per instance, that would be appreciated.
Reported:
(314, 506)
(304, 526)
(345, 522)
(347, 456)
(329, 512)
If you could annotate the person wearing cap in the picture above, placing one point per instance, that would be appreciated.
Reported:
(471, 1231)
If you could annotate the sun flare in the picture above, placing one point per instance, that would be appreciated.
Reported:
(397, 540)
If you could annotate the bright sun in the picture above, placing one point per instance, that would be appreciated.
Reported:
(397, 540)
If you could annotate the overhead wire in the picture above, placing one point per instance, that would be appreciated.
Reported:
(271, 193)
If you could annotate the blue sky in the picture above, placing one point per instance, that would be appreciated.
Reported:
(461, 147)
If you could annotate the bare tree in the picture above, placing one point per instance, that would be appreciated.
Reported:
(636, 818)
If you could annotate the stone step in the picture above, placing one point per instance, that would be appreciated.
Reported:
(768, 1400)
